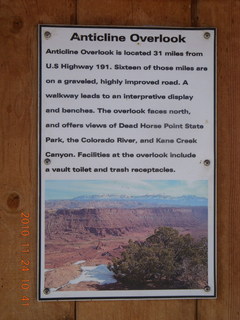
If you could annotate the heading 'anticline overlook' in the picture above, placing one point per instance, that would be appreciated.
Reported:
(133, 37)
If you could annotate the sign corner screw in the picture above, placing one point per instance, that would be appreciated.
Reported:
(47, 35)
(46, 290)
(207, 288)
(207, 35)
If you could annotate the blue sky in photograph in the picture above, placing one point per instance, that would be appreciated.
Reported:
(68, 189)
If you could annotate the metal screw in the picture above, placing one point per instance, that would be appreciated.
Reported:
(47, 161)
(206, 162)
(207, 35)
(46, 291)
(47, 34)
(207, 289)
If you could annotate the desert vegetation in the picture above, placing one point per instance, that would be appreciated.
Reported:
(164, 260)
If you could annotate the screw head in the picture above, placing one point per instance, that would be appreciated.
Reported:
(47, 161)
(47, 34)
(206, 162)
(207, 35)
(207, 289)
(46, 290)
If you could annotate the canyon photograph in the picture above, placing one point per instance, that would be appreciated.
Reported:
(125, 235)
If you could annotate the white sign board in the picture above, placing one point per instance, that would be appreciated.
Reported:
(126, 163)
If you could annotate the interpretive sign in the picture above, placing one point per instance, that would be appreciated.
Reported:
(126, 162)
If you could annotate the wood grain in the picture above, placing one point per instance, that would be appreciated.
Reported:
(18, 156)
(225, 16)
(138, 12)
(136, 310)
(18, 150)
(124, 12)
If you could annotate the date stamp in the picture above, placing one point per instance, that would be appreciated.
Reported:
(25, 262)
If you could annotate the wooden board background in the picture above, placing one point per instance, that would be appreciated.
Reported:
(18, 151)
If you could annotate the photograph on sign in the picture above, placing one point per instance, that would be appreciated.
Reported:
(126, 163)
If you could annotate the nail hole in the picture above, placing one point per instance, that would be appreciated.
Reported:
(17, 24)
(13, 201)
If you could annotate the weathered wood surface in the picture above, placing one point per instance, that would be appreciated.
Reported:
(18, 150)
(134, 12)
(225, 16)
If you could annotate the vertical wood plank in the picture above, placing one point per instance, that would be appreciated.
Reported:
(18, 155)
(141, 12)
(225, 16)
(134, 12)
(136, 310)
